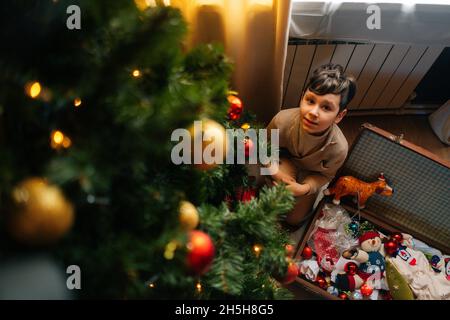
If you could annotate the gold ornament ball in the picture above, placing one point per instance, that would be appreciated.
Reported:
(212, 136)
(188, 215)
(39, 213)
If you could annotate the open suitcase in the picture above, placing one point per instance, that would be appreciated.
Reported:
(419, 206)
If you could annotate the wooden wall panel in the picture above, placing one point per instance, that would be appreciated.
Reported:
(416, 75)
(369, 72)
(387, 70)
(300, 68)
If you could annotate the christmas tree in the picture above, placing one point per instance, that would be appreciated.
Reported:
(86, 118)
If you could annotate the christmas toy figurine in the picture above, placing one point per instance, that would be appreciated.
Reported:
(372, 263)
(370, 257)
(348, 185)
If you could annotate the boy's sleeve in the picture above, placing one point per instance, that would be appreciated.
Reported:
(318, 179)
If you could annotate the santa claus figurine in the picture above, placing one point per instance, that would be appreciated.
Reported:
(371, 259)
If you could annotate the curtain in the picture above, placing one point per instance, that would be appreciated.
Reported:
(254, 34)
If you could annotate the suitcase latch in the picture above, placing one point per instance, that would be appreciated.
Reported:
(397, 139)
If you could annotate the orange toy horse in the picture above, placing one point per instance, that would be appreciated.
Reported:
(348, 185)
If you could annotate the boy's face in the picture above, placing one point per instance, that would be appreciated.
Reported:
(318, 113)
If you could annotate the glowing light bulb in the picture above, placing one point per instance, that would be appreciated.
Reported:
(33, 89)
(66, 143)
(77, 102)
(169, 253)
(199, 287)
(136, 73)
(59, 140)
(257, 249)
(58, 137)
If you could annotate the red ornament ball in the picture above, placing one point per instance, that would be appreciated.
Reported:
(307, 253)
(351, 268)
(235, 110)
(249, 146)
(233, 115)
(366, 290)
(235, 103)
(397, 237)
(343, 296)
(289, 250)
(291, 273)
(200, 252)
(248, 194)
(390, 247)
(321, 282)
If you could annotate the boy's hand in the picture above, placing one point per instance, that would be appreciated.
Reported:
(282, 177)
(298, 189)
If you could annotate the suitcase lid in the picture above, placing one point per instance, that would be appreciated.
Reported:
(420, 204)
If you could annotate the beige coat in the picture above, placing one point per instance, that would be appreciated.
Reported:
(317, 158)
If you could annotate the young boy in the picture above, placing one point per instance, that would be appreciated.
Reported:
(312, 147)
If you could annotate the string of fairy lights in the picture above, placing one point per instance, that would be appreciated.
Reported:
(34, 89)
(59, 140)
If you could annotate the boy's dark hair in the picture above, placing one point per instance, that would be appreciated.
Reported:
(330, 78)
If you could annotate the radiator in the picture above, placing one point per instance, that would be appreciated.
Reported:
(386, 74)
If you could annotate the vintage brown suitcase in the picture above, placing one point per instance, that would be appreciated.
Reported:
(420, 204)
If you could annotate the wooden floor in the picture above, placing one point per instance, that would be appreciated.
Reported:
(415, 129)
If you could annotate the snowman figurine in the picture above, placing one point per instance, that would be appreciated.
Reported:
(371, 259)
